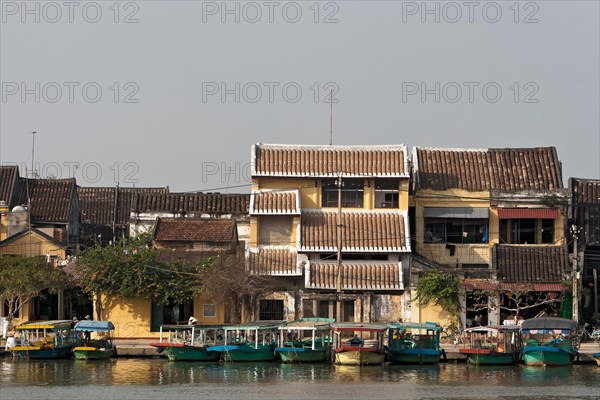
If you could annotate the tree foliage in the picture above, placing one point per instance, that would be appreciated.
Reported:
(131, 269)
(228, 281)
(442, 289)
(23, 278)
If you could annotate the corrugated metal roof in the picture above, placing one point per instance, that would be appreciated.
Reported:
(362, 231)
(275, 203)
(329, 161)
(527, 213)
(356, 275)
(487, 169)
(274, 262)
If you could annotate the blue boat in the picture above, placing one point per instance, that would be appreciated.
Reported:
(45, 340)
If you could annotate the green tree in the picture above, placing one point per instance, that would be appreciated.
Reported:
(440, 288)
(133, 268)
(23, 278)
(228, 281)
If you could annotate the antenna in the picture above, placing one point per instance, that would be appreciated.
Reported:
(331, 117)
(33, 133)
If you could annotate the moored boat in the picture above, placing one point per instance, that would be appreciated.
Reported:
(597, 358)
(414, 343)
(492, 345)
(45, 339)
(254, 341)
(305, 340)
(358, 343)
(548, 341)
(99, 348)
(189, 342)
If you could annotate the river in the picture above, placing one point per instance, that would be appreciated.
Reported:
(159, 379)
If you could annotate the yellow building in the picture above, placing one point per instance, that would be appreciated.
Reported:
(300, 217)
(495, 217)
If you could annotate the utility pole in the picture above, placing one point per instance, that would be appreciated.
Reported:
(338, 283)
(575, 276)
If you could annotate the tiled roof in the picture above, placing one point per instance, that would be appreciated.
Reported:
(585, 190)
(191, 203)
(109, 205)
(328, 161)
(194, 230)
(487, 169)
(362, 231)
(275, 203)
(51, 199)
(355, 276)
(529, 264)
(274, 262)
(486, 285)
(9, 182)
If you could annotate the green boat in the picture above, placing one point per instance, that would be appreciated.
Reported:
(414, 343)
(548, 341)
(101, 347)
(249, 342)
(492, 345)
(306, 340)
(189, 342)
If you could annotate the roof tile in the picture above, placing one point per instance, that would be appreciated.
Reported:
(274, 262)
(529, 264)
(194, 230)
(356, 276)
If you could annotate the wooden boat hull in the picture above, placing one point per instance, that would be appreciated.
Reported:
(415, 356)
(246, 353)
(488, 357)
(546, 355)
(293, 355)
(92, 353)
(35, 353)
(359, 357)
(181, 352)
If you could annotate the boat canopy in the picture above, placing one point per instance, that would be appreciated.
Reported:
(94, 326)
(308, 324)
(55, 324)
(499, 328)
(357, 327)
(255, 325)
(548, 325)
(187, 327)
(434, 326)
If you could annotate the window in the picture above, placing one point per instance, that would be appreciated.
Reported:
(170, 313)
(352, 193)
(308, 308)
(527, 231)
(324, 309)
(456, 230)
(387, 193)
(271, 310)
(348, 311)
(209, 310)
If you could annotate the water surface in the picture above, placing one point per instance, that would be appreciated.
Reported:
(159, 379)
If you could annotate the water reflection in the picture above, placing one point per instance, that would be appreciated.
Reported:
(224, 380)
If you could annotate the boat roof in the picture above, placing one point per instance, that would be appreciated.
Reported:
(94, 326)
(357, 327)
(493, 328)
(306, 324)
(255, 325)
(54, 324)
(416, 325)
(183, 327)
(548, 323)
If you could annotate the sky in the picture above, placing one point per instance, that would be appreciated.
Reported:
(174, 93)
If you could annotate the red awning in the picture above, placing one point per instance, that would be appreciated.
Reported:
(527, 213)
(480, 284)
